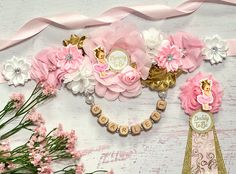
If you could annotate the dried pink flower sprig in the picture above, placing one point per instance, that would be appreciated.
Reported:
(21, 107)
(42, 149)
(39, 153)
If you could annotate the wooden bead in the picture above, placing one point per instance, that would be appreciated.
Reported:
(147, 124)
(103, 120)
(155, 116)
(96, 110)
(112, 127)
(123, 130)
(136, 129)
(161, 105)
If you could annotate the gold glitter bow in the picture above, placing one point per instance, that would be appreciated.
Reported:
(75, 40)
(161, 80)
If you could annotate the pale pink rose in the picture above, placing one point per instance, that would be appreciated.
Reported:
(169, 57)
(45, 69)
(126, 37)
(191, 89)
(129, 75)
(69, 58)
(191, 48)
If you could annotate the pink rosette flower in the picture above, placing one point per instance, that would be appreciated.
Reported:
(125, 83)
(169, 57)
(69, 58)
(191, 89)
(45, 70)
(191, 48)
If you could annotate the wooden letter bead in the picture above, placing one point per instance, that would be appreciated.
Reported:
(124, 130)
(161, 105)
(135, 129)
(103, 120)
(155, 116)
(96, 110)
(147, 124)
(112, 127)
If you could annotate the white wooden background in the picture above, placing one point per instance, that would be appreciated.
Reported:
(160, 151)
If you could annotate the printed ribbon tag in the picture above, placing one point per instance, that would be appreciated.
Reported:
(200, 98)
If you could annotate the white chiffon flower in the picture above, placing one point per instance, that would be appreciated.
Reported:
(81, 80)
(16, 71)
(153, 40)
(215, 49)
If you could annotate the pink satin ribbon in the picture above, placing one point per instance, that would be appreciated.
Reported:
(76, 21)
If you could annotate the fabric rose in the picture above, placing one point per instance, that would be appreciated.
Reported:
(169, 57)
(191, 48)
(122, 84)
(129, 75)
(45, 70)
(191, 89)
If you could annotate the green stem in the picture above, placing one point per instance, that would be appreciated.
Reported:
(15, 130)
(70, 166)
(97, 171)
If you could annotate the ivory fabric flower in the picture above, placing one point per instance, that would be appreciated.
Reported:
(191, 48)
(153, 38)
(81, 80)
(16, 71)
(215, 49)
(191, 89)
(45, 70)
(112, 84)
(69, 58)
(169, 57)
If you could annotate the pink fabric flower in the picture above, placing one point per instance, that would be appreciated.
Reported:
(45, 69)
(169, 57)
(191, 48)
(117, 85)
(69, 58)
(18, 99)
(191, 89)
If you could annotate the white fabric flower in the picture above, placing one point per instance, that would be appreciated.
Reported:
(153, 38)
(215, 49)
(16, 71)
(82, 80)
(153, 41)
